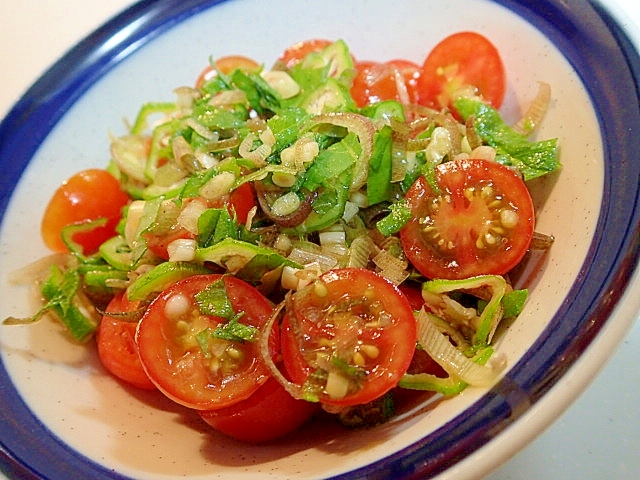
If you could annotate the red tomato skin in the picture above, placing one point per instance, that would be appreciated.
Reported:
(161, 353)
(478, 64)
(466, 260)
(376, 82)
(226, 65)
(86, 196)
(396, 343)
(413, 292)
(117, 349)
(411, 73)
(239, 202)
(294, 362)
(296, 52)
(270, 413)
(159, 244)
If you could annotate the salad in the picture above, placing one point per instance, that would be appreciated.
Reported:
(318, 237)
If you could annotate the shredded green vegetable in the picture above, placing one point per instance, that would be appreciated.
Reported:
(326, 183)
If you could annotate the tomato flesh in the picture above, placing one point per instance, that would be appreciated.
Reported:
(116, 344)
(159, 244)
(413, 292)
(226, 65)
(239, 202)
(410, 73)
(228, 371)
(393, 80)
(480, 222)
(87, 196)
(462, 61)
(296, 52)
(355, 326)
(268, 414)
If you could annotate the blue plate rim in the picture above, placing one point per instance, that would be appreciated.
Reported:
(601, 282)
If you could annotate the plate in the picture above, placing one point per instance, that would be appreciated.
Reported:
(155, 46)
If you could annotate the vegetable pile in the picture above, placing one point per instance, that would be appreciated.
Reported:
(321, 234)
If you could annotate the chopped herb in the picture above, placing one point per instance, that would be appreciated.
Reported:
(60, 292)
(214, 301)
(234, 331)
(533, 159)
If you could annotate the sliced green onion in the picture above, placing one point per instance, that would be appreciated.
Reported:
(364, 129)
(490, 317)
(160, 277)
(454, 362)
(428, 382)
(69, 231)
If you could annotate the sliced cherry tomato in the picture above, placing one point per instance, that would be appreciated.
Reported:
(373, 83)
(299, 50)
(354, 331)
(116, 344)
(87, 196)
(410, 72)
(480, 222)
(226, 65)
(158, 244)
(462, 61)
(394, 80)
(211, 373)
(413, 292)
(240, 201)
(268, 414)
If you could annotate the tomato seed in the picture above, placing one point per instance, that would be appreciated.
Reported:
(358, 359)
(234, 353)
(370, 351)
(509, 218)
(320, 289)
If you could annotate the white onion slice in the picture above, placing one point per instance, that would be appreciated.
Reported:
(293, 389)
(455, 363)
(536, 111)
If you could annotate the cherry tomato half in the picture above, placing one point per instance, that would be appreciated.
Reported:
(356, 328)
(218, 375)
(268, 414)
(226, 65)
(413, 292)
(296, 52)
(116, 344)
(410, 73)
(393, 80)
(461, 61)
(239, 202)
(86, 196)
(480, 222)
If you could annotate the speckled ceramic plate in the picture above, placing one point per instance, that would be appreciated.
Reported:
(62, 416)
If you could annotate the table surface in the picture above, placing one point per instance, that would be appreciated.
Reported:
(599, 434)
